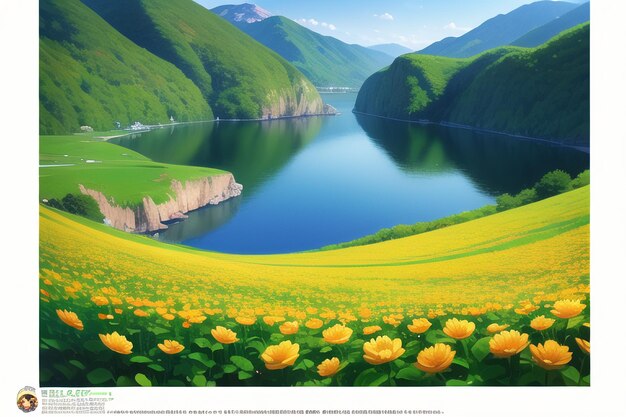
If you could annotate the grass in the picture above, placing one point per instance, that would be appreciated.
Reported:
(119, 173)
(484, 270)
(540, 92)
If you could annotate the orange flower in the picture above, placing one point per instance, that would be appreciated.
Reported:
(328, 367)
(117, 343)
(102, 316)
(289, 327)
(459, 329)
(435, 359)
(99, 300)
(186, 324)
(508, 343)
(382, 350)
(168, 316)
(541, 323)
(271, 320)
(496, 328)
(171, 347)
(565, 309)
(280, 356)
(371, 329)
(140, 313)
(314, 324)
(419, 326)
(246, 321)
(224, 335)
(118, 311)
(584, 345)
(551, 355)
(337, 335)
(70, 318)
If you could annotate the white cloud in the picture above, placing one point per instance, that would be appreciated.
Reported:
(332, 27)
(315, 23)
(453, 26)
(384, 16)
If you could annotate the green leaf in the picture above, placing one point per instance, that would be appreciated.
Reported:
(158, 330)
(575, 321)
(211, 384)
(438, 336)
(99, 376)
(94, 346)
(202, 358)
(217, 346)
(77, 364)
(125, 381)
(243, 375)
(156, 367)
(143, 380)
(256, 345)
(586, 380)
(304, 364)
(45, 374)
(370, 378)
(140, 359)
(457, 383)
(199, 381)
(132, 331)
(410, 373)
(175, 383)
(480, 350)
(325, 349)
(492, 372)
(242, 363)
(203, 343)
(229, 369)
(461, 362)
(55, 344)
(570, 375)
(66, 371)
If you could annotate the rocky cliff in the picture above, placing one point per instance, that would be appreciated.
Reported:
(149, 216)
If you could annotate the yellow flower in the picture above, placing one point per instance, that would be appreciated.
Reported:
(140, 313)
(99, 300)
(496, 328)
(103, 316)
(246, 321)
(584, 345)
(337, 335)
(280, 356)
(393, 319)
(459, 329)
(70, 318)
(541, 323)
(508, 343)
(587, 325)
(271, 320)
(171, 347)
(289, 327)
(117, 343)
(435, 359)
(371, 329)
(382, 350)
(328, 367)
(419, 326)
(197, 319)
(551, 355)
(565, 309)
(314, 324)
(118, 311)
(224, 335)
(168, 316)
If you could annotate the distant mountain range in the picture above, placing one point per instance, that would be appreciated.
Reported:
(501, 30)
(540, 92)
(537, 36)
(325, 60)
(391, 49)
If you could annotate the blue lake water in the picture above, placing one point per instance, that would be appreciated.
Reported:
(310, 182)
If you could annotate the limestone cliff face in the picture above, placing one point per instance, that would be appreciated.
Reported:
(302, 100)
(149, 216)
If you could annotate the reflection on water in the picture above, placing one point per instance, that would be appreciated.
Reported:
(310, 182)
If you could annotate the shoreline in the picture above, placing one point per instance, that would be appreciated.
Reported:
(584, 149)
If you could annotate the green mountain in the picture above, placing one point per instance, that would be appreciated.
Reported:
(500, 30)
(237, 76)
(542, 34)
(540, 92)
(391, 49)
(326, 61)
(90, 74)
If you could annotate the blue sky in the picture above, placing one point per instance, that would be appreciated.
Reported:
(412, 23)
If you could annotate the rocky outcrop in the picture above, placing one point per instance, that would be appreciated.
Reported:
(149, 216)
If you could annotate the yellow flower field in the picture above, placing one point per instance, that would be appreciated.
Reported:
(173, 310)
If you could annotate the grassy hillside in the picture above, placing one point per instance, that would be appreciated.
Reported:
(238, 77)
(326, 61)
(542, 34)
(500, 30)
(483, 271)
(539, 92)
(119, 173)
(92, 75)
